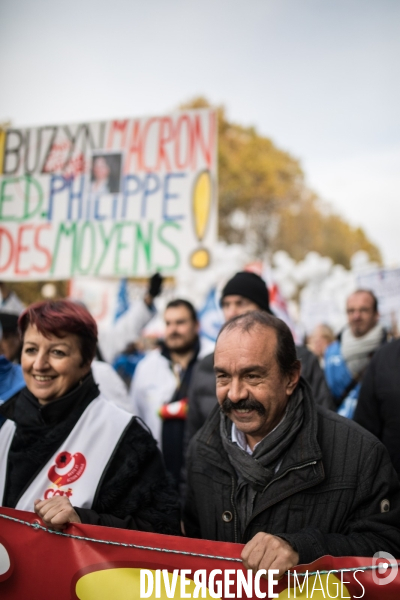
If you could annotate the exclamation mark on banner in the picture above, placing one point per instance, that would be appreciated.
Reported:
(201, 205)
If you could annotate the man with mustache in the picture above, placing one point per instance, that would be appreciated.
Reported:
(271, 469)
(160, 384)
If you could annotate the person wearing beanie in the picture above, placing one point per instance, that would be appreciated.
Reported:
(243, 293)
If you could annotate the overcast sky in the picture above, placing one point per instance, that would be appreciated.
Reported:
(320, 77)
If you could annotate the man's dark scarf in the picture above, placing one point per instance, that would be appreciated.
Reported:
(257, 470)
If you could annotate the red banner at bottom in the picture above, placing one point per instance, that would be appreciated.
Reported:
(100, 563)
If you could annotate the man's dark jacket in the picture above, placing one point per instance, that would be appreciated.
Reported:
(378, 408)
(202, 398)
(335, 492)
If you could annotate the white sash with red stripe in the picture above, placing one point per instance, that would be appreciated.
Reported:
(77, 466)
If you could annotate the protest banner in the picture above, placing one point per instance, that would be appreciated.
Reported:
(121, 198)
(100, 563)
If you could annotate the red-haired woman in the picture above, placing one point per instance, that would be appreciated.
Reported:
(65, 451)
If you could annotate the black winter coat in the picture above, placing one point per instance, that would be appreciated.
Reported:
(336, 491)
(378, 408)
(134, 491)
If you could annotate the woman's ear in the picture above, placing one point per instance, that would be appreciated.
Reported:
(87, 363)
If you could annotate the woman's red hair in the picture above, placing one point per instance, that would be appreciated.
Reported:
(59, 318)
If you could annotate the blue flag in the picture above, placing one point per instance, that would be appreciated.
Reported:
(211, 317)
(122, 299)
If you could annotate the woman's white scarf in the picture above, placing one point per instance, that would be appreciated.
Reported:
(357, 351)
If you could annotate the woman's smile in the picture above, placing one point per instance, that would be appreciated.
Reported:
(53, 365)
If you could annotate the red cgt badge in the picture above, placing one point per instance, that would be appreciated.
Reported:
(68, 468)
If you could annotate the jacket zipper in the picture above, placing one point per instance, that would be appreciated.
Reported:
(314, 462)
(234, 510)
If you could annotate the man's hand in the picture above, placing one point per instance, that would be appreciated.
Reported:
(267, 551)
(56, 513)
(155, 285)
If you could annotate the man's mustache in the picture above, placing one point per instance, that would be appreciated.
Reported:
(246, 404)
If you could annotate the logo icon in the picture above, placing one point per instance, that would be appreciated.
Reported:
(5, 563)
(68, 468)
(387, 568)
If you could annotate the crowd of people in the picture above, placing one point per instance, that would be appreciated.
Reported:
(291, 450)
